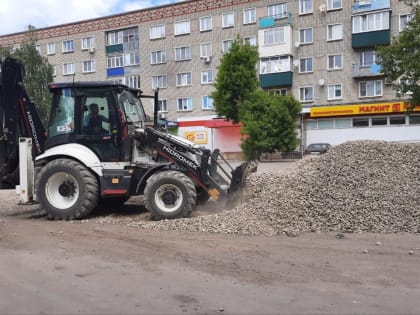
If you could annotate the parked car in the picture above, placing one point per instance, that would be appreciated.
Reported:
(317, 148)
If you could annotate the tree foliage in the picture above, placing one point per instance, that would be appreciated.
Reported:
(401, 60)
(269, 123)
(235, 80)
(38, 72)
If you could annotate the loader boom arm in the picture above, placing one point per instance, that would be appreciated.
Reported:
(19, 117)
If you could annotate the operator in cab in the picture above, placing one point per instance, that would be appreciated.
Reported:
(93, 121)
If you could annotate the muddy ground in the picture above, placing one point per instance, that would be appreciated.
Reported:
(85, 267)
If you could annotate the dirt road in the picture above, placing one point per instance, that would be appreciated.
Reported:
(85, 267)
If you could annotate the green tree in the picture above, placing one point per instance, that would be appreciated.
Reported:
(269, 123)
(235, 80)
(401, 60)
(38, 72)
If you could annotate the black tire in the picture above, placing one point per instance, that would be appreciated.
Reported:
(169, 195)
(67, 190)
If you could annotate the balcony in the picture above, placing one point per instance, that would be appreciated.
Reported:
(371, 39)
(276, 79)
(274, 21)
(370, 5)
(372, 70)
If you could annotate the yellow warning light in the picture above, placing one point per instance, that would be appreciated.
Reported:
(115, 180)
(214, 193)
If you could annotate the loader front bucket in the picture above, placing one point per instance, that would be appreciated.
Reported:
(240, 174)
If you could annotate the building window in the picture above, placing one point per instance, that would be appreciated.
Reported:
(334, 31)
(132, 81)
(306, 94)
(50, 48)
(207, 76)
(163, 106)
(252, 40)
(404, 20)
(115, 61)
(282, 91)
(157, 31)
(371, 22)
(325, 124)
(277, 11)
(361, 122)
(88, 43)
(131, 58)
(335, 62)
(334, 4)
(250, 16)
(414, 120)
(158, 57)
(306, 36)
(274, 36)
(226, 45)
(343, 123)
(367, 58)
(335, 92)
(379, 121)
(397, 120)
(183, 79)
(160, 81)
(114, 38)
(228, 20)
(207, 102)
(305, 6)
(184, 104)
(206, 23)
(205, 50)
(305, 65)
(182, 27)
(274, 64)
(68, 46)
(88, 66)
(370, 88)
(68, 68)
(182, 53)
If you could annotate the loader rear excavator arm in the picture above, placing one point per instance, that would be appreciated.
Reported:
(19, 117)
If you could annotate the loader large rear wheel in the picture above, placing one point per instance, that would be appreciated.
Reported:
(169, 195)
(67, 190)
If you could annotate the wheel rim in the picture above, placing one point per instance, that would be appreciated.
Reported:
(168, 198)
(62, 190)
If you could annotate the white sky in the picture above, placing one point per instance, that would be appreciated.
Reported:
(16, 15)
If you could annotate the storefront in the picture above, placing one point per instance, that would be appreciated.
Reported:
(388, 121)
(212, 133)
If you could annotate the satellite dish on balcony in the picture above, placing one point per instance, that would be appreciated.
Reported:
(297, 44)
(321, 82)
(296, 63)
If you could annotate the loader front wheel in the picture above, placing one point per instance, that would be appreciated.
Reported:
(169, 195)
(67, 190)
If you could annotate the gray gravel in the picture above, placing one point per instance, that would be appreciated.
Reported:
(360, 186)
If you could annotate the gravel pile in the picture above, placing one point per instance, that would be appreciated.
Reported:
(360, 186)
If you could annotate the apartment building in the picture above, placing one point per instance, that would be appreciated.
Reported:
(321, 51)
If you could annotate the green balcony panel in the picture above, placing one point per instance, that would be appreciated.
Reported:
(276, 79)
(371, 39)
(114, 48)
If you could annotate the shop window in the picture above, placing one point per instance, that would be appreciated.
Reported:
(379, 121)
(360, 122)
(399, 120)
(326, 124)
(342, 123)
(414, 120)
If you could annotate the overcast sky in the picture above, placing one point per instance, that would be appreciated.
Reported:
(16, 15)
